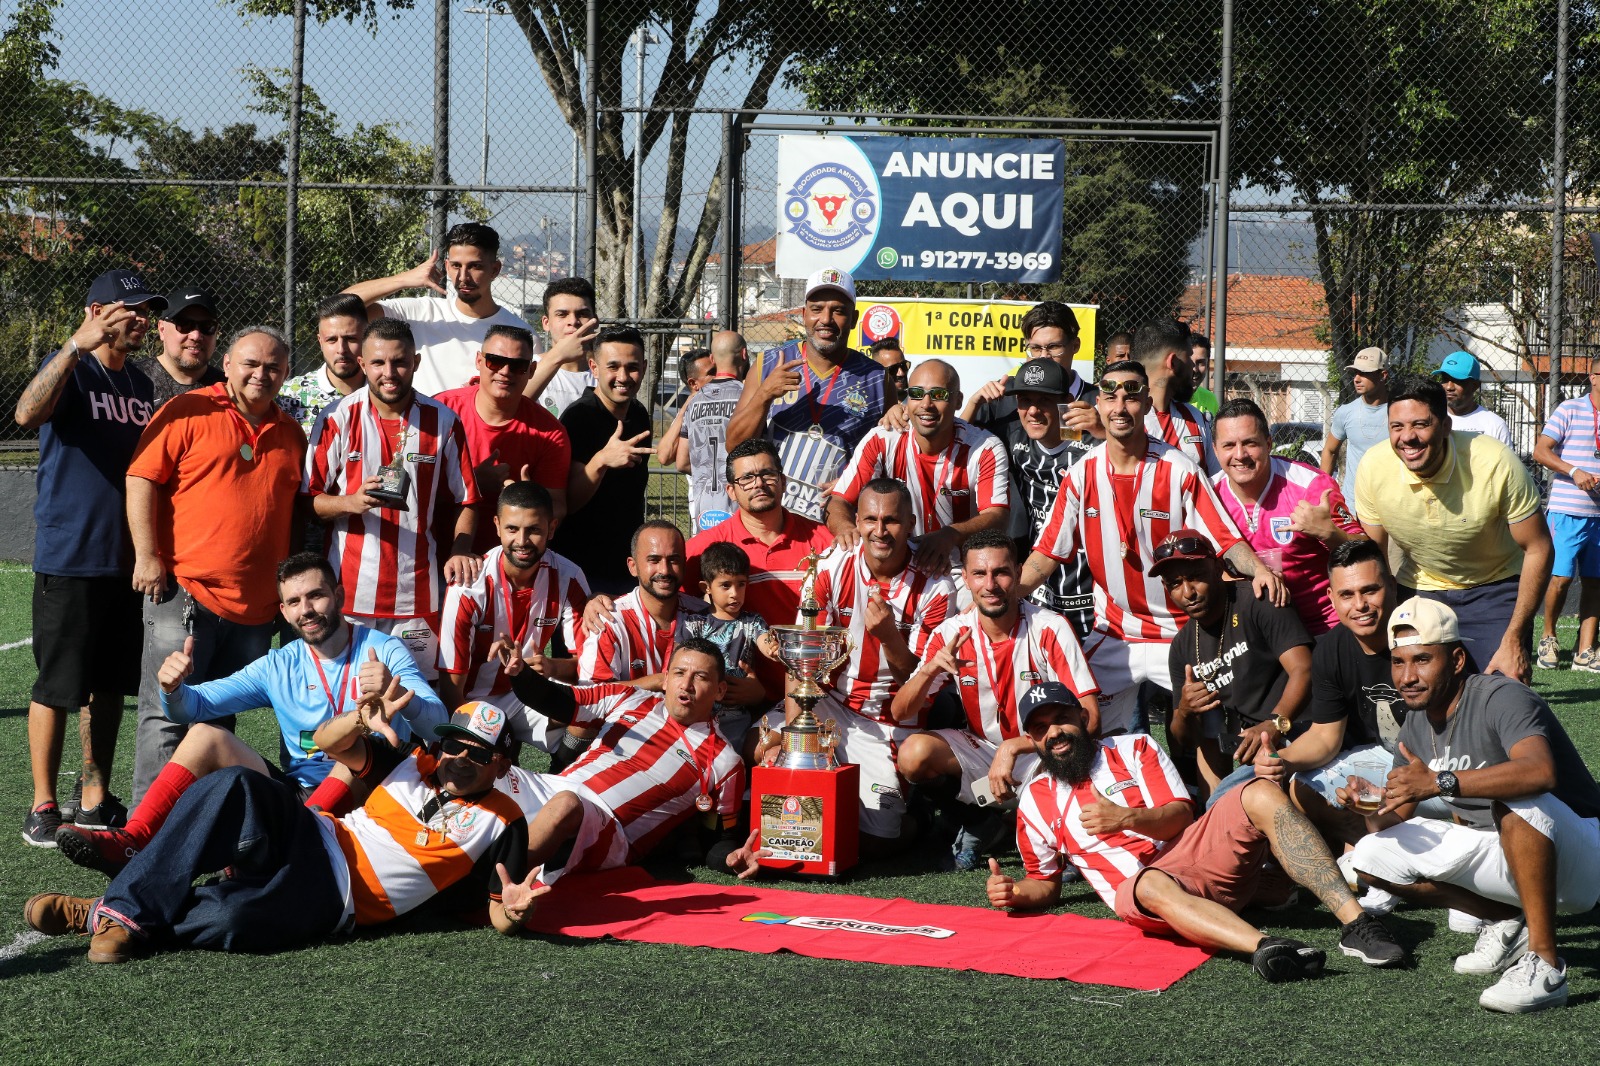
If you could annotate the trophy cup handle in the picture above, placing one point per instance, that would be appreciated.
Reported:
(843, 657)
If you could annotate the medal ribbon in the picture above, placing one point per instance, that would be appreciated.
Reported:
(518, 635)
(336, 703)
(811, 399)
(1125, 529)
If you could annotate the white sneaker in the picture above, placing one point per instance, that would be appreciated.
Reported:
(1499, 945)
(1532, 984)
(1462, 922)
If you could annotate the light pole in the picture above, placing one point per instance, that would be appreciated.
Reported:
(488, 11)
(641, 37)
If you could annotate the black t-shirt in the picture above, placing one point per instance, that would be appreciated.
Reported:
(1351, 686)
(167, 386)
(1239, 660)
(596, 536)
(1036, 473)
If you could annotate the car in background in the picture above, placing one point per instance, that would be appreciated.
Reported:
(1301, 441)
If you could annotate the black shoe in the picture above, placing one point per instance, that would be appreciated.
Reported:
(109, 813)
(39, 829)
(70, 809)
(1278, 959)
(1367, 939)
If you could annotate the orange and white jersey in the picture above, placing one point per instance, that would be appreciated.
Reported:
(995, 673)
(1187, 429)
(919, 602)
(971, 475)
(387, 560)
(632, 645)
(1130, 771)
(406, 844)
(476, 615)
(647, 768)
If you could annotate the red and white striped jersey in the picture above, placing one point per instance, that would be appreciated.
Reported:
(647, 768)
(1187, 429)
(398, 860)
(919, 602)
(1130, 771)
(971, 475)
(387, 560)
(1041, 647)
(476, 615)
(632, 645)
(1167, 492)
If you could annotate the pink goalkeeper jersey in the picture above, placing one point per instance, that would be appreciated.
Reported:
(1301, 558)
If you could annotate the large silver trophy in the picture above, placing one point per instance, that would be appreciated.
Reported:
(394, 482)
(809, 651)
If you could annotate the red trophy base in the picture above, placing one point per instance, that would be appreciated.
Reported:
(810, 819)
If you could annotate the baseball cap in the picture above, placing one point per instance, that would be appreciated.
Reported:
(1462, 366)
(1434, 622)
(126, 286)
(831, 278)
(1368, 361)
(478, 720)
(1044, 694)
(180, 300)
(1045, 376)
(1180, 545)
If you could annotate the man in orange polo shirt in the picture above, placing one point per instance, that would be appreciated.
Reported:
(211, 495)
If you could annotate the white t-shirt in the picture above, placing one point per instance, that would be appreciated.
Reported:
(562, 389)
(447, 340)
(1482, 420)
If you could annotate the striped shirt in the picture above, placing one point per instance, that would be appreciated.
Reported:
(647, 768)
(1130, 771)
(919, 602)
(387, 560)
(1167, 492)
(1574, 428)
(969, 476)
(1187, 429)
(995, 674)
(477, 615)
(1036, 471)
(632, 645)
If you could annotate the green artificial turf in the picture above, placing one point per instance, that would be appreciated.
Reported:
(471, 996)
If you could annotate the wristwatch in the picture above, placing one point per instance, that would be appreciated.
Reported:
(1447, 784)
(1282, 723)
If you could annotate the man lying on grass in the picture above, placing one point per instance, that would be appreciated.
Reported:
(1117, 810)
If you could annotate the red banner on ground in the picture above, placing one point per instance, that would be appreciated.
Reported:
(629, 904)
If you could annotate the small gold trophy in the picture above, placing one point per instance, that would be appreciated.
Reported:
(809, 651)
(394, 482)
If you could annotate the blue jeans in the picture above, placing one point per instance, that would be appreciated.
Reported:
(282, 892)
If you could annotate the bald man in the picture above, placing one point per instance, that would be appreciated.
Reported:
(701, 449)
(958, 474)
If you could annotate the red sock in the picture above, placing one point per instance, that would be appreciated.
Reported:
(332, 796)
(159, 799)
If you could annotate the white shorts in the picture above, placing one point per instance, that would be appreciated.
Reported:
(1429, 849)
(600, 843)
(419, 635)
(976, 755)
(873, 746)
(528, 725)
(1119, 666)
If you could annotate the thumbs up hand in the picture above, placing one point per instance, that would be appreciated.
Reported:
(179, 665)
(1002, 890)
(373, 676)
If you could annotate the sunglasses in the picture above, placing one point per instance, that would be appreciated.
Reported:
(502, 362)
(917, 392)
(204, 327)
(476, 753)
(1183, 546)
(1131, 387)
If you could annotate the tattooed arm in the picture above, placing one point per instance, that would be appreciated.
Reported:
(1036, 571)
(39, 398)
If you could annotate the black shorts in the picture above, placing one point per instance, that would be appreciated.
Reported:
(88, 634)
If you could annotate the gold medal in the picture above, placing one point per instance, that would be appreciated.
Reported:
(702, 803)
(248, 453)
(422, 838)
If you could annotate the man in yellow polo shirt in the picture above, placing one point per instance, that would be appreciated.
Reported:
(1465, 515)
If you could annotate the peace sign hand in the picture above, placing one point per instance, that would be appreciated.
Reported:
(518, 898)
(746, 861)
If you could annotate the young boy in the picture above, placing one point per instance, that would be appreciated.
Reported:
(724, 577)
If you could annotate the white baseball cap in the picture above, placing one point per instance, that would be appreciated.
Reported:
(831, 278)
(1433, 622)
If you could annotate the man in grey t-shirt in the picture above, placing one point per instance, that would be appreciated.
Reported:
(1524, 842)
(703, 448)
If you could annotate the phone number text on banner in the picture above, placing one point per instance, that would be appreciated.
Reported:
(920, 208)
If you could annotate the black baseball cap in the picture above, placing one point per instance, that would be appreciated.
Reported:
(126, 286)
(1044, 376)
(1044, 694)
(180, 300)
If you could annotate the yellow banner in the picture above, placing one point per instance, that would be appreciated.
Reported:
(982, 339)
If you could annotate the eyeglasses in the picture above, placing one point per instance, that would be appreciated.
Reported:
(206, 327)
(502, 362)
(917, 392)
(475, 753)
(1182, 546)
(1131, 387)
(1051, 350)
(748, 481)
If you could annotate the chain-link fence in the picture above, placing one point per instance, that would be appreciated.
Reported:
(1395, 174)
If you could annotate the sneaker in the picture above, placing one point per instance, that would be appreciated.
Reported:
(1499, 945)
(112, 942)
(1367, 939)
(1549, 653)
(56, 914)
(1278, 959)
(105, 850)
(109, 813)
(1587, 661)
(69, 809)
(39, 828)
(1532, 984)
(1462, 922)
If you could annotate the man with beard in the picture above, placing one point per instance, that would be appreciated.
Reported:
(1523, 840)
(1117, 810)
(498, 626)
(891, 608)
(636, 638)
(1464, 513)
(188, 331)
(326, 672)
(386, 556)
(1049, 333)
(888, 354)
(341, 320)
(1200, 358)
(1162, 347)
(610, 473)
(1290, 513)
(956, 474)
(449, 328)
(814, 398)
